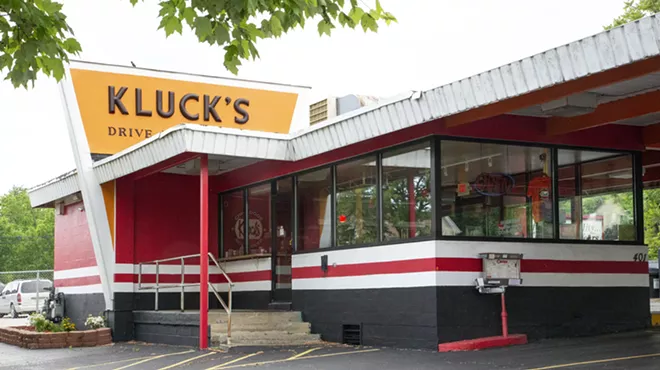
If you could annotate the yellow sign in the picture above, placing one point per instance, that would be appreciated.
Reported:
(120, 110)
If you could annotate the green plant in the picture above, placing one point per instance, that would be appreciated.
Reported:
(67, 325)
(95, 322)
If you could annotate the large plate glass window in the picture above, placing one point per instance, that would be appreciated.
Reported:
(495, 190)
(596, 196)
(315, 209)
(357, 202)
(407, 192)
(259, 232)
(233, 224)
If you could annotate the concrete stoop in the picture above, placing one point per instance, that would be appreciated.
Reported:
(262, 328)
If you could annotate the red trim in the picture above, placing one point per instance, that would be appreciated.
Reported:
(237, 277)
(79, 281)
(469, 265)
(483, 343)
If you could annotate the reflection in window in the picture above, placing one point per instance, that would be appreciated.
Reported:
(495, 190)
(259, 235)
(314, 209)
(596, 196)
(357, 200)
(233, 222)
(407, 193)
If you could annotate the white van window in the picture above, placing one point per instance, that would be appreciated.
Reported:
(31, 286)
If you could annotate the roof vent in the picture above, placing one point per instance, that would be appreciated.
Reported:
(570, 106)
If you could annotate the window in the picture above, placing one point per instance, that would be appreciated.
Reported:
(357, 202)
(233, 224)
(283, 217)
(314, 209)
(407, 193)
(259, 233)
(31, 286)
(494, 190)
(596, 196)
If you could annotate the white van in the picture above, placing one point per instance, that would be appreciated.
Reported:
(20, 296)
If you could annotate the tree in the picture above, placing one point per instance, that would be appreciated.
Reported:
(35, 37)
(634, 10)
(26, 233)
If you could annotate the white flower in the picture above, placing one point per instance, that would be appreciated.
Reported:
(95, 322)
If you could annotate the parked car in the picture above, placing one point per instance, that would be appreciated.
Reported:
(2, 287)
(20, 296)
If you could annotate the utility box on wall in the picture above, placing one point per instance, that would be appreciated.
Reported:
(500, 270)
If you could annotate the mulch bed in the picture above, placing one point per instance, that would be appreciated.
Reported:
(27, 337)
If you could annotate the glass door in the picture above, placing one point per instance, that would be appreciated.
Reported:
(282, 219)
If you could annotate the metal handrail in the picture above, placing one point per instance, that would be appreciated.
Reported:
(183, 284)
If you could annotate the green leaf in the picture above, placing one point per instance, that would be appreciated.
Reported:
(324, 27)
(356, 14)
(369, 23)
(221, 34)
(275, 26)
(189, 15)
(72, 46)
(58, 70)
(5, 61)
(203, 28)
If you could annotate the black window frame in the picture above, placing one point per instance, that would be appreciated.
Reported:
(435, 142)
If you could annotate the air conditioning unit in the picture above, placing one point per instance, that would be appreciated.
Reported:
(322, 110)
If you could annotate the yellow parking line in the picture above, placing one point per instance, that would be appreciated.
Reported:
(154, 358)
(108, 363)
(188, 360)
(234, 361)
(302, 354)
(301, 358)
(597, 361)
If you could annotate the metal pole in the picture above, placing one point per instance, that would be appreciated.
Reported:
(204, 251)
(183, 281)
(37, 308)
(157, 279)
(229, 318)
(505, 324)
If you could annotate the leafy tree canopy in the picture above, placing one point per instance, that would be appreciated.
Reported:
(634, 10)
(26, 234)
(35, 37)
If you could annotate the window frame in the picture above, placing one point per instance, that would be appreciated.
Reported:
(435, 143)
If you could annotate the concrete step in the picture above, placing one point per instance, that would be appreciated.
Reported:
(285, 326)
(266, 338)
(255, 317)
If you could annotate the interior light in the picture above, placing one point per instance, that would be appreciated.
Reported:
(467, 167)
(445, 171)
(490, 161)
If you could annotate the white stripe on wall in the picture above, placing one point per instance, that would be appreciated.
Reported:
(258, 264)
(86, 289)
(408, 280)
(247, 286)
(76, 273)
(385, 253)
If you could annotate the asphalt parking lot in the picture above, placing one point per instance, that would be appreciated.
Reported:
(638, 350)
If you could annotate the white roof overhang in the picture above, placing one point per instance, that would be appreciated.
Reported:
(604, 51)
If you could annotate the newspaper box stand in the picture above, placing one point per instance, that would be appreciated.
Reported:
(500, 270)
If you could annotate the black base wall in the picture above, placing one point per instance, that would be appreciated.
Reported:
(424, 317)
(542, 312)
(78, 307)
(167, 327)
(172, 301)
(389, 317)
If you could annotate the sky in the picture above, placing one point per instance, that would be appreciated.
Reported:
(434, 42)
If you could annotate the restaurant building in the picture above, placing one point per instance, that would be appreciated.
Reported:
(373, 220)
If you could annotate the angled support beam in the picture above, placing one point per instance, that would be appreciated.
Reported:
(617, 110)
(172, 162)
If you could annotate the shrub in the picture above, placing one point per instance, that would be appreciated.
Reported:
(67, 325)
(95, 322)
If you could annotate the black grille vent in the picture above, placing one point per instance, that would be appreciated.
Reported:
(352, 334)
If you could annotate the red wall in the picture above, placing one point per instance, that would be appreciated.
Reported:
(510, 128)
(158, 217)
(73, 243)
